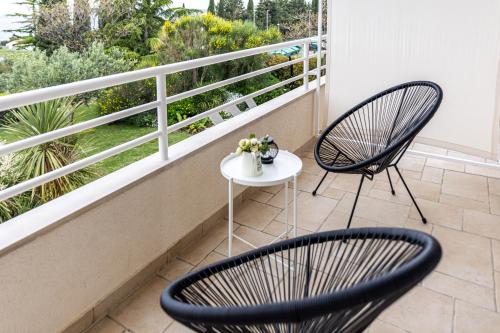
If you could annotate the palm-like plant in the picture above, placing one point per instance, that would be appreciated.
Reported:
(29, 163)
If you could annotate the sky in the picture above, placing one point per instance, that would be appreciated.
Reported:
(10, 7)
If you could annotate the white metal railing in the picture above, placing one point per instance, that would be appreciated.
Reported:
(161, 104)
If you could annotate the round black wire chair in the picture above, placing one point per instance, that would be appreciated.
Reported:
(374, 135)
(336, 281)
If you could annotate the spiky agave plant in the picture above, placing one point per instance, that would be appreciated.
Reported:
(29, 163)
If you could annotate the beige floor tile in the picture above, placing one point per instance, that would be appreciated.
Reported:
(465, 185)
(278, 200)
(400, 197)
(420, 189)
(276, 228)
(308, 182)
(483, 224)
(212, 258)
(482, 171)
(338, 220)
(333, 193)
(432, 175)
(461, 202)
(142, 312)
(174, 269)
(464, 256)
(350, 183)
(496, 258)
(438, 213)
(494, 186)
(421, 310)
(385, 212)
(379, 326)
(448, 165)
(417, 224)
(409, 174)
(255, 214)
(412, 163)
(464, 290)
(176, 327)
(253, 236)
(473, 319)
(272, 189)
(495, 204)
(210, 240)
(256, 194)
(309, 165)
(312, 211)
(497, 290)
(107, 325)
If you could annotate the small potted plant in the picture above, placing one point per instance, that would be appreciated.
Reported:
(250, 150)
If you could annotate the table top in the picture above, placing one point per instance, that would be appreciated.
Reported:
(284, 167)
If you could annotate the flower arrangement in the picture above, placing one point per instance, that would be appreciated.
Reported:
(253, 145)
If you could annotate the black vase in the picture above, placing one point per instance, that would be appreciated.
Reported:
(269, 156)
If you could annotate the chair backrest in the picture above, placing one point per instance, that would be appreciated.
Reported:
(335, 281)
(375, 132)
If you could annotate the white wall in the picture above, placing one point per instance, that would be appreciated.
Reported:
(376, 44)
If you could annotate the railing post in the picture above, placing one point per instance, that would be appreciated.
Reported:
(318, 68)
(306, 65)
(161, 95)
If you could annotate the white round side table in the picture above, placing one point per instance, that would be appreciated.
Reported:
(285, 167)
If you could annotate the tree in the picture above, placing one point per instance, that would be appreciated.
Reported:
(250, 10)
(211, 7)
(56, 27)
(268, 10)
(221, 8)
(132, 23)
(29, 163)
(198, 36)
(231, 9)
(314, 5)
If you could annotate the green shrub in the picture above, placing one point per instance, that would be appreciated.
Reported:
(258, 83)
(36, 69)
(35, 161)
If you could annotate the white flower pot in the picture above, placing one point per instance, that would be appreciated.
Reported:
(251, 164)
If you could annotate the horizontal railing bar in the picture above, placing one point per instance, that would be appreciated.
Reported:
(73, 129)
(45, 178)
(224, 106)
(314, 71)
(80, 87)
(232, 80)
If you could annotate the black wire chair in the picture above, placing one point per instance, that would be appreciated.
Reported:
(335, 281)
(374, 135)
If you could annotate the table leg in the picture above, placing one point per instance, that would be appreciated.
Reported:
(230, 218)
(286, 210)
(295, 206)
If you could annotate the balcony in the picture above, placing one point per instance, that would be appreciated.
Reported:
(97, 258)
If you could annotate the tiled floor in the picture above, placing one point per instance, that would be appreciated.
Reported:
(461, 202)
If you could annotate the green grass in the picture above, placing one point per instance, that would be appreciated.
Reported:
(108, 136)
(105, 137)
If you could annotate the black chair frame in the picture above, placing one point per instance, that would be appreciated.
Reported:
(412, 105)
(335, 281)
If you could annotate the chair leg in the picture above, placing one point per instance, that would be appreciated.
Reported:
(424, 220)
(320, 182)
(355, 201)
(390, 182)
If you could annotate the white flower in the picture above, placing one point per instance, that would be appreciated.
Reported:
(239, 150)
(254, 142)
